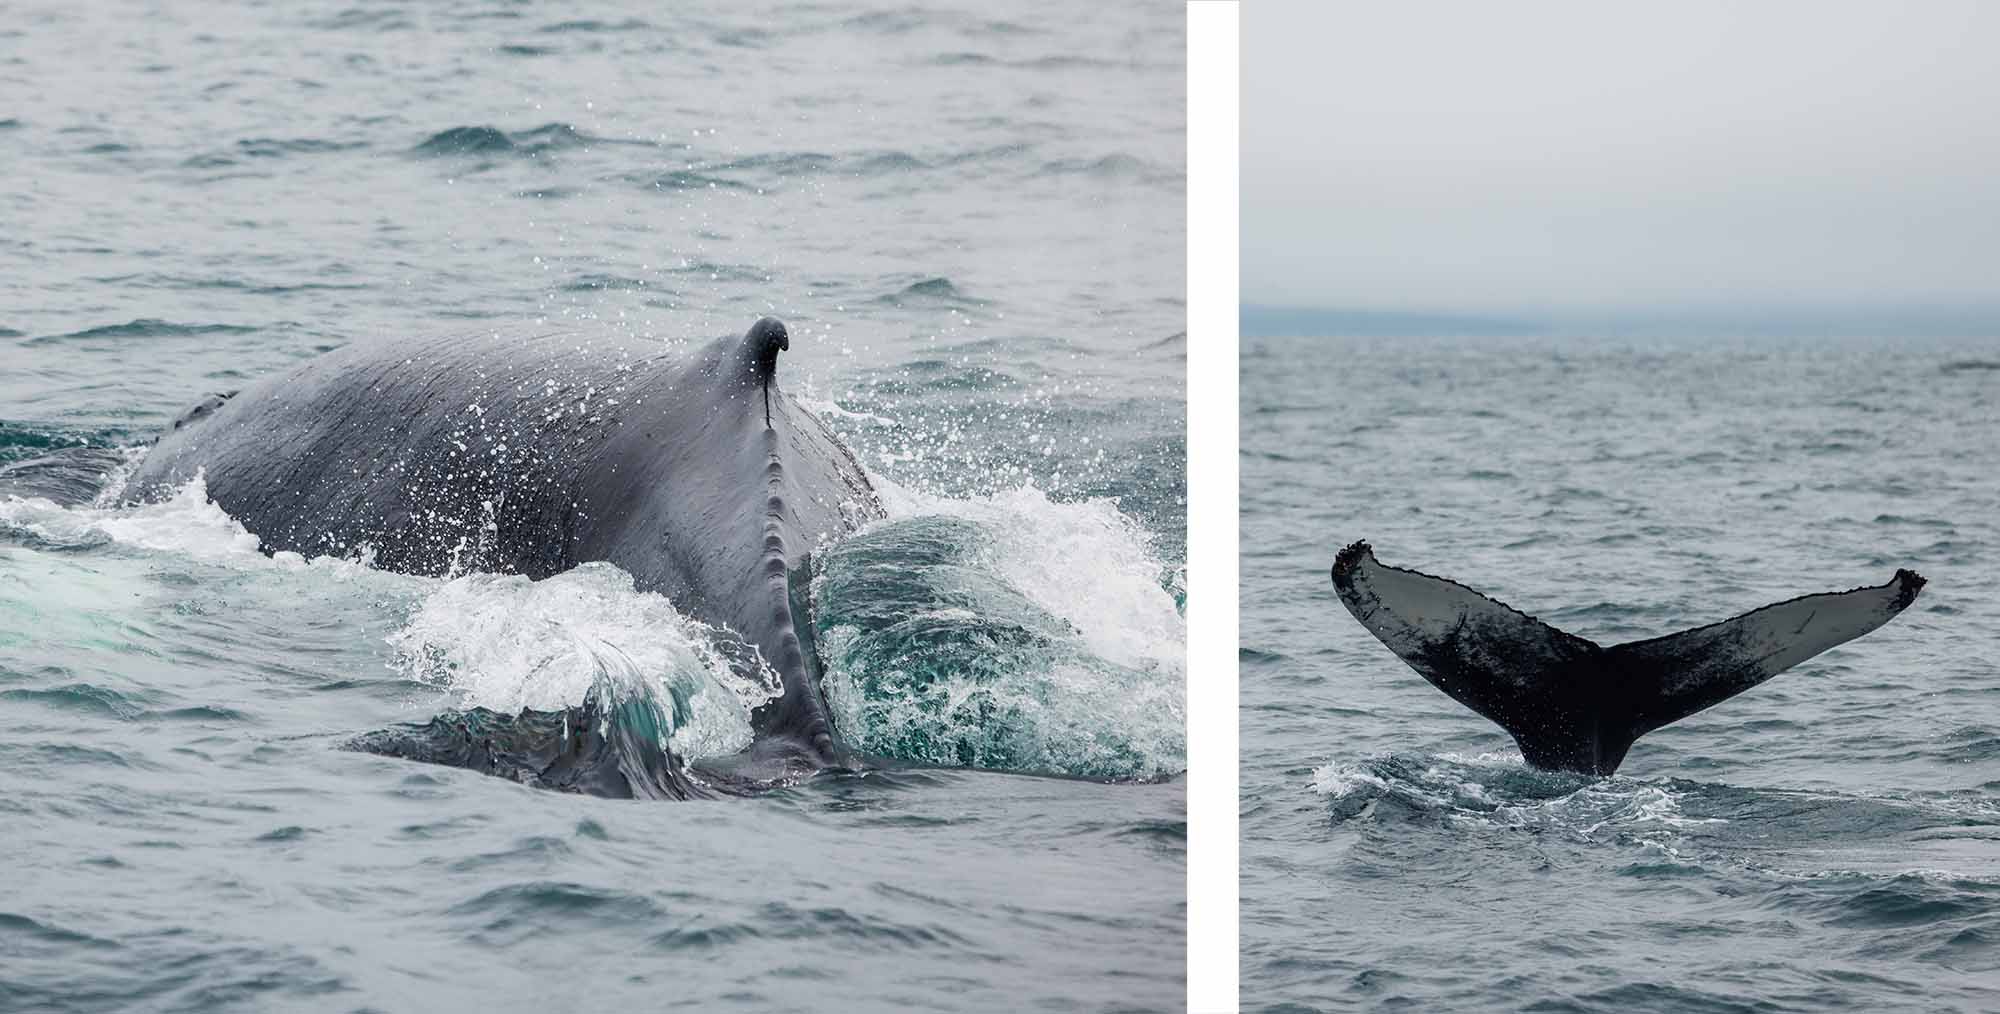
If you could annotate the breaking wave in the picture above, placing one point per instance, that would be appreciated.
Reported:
(1008, 632)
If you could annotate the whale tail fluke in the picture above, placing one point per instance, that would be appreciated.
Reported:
(1529, 678)
(1569, 703)
(1679, 674)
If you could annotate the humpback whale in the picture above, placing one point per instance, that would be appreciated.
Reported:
(531, 452)
(1572, 705)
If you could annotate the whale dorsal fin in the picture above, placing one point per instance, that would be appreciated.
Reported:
(1523, 674)
(1677, 675)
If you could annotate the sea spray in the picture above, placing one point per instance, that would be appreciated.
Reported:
(1008, 632)
(505, 643)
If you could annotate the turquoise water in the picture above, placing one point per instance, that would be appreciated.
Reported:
(1829, 840)
(971, 222)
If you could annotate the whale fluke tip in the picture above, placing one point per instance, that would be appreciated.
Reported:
(1351, 557)
(1908, 584)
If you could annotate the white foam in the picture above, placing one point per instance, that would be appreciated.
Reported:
(506, 643)
(1619, 807)
(188, 524)
(1339, 780)
(1122, 710)
(1500, 788)
(1084, 561)
(48, 522)
(500, 642)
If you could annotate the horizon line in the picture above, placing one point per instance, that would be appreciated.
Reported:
(1907, 320)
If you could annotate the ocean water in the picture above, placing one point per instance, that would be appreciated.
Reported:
(971, 220)
(1829, 840)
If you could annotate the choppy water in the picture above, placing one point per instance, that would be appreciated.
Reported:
(1827, 841)
(972, 222)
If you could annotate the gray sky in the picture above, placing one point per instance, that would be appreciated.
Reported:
(1532, 157)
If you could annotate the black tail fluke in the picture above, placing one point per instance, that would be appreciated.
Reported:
(1679, 674)
(1529, 678)
(1570, 704)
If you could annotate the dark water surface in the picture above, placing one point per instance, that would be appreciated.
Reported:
(972, 221)
(1827, 841)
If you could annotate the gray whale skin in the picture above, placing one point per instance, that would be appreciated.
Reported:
(533, 452)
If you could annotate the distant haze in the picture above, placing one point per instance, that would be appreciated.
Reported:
(1795, 164)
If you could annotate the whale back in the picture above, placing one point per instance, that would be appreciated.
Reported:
(726, 511)
(454, 453)
(532, 452)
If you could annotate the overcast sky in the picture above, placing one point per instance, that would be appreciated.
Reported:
(1583, 157)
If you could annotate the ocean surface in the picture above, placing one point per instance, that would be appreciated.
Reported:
(1829, 840)
(972, 221)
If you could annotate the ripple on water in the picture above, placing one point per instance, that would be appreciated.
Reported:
(1822, 841)
(84, 698)
(146, 327)
(859, 930)
(489, 140)
(406, 200)
(520, 913)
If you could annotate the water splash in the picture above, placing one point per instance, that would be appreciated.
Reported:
(187, 524)
(499, 642)
(1499, 789)
(1085, 561)
(505, 643)
(1008, 632)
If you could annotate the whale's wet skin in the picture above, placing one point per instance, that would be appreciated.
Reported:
(534, 453)
(202, 204)
(1826, 840)
(1570, 704)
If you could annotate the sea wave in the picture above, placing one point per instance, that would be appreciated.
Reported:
(505, 643)
(1010, 632)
